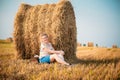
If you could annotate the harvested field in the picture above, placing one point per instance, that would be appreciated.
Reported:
(94, 64)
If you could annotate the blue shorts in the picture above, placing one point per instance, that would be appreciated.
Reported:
(45, 59)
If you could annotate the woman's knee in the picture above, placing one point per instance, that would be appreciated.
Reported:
(62, 53)
(53, 57)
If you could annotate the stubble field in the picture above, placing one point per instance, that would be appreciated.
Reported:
(94, 63)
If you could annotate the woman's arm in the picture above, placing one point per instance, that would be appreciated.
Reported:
(51, 51)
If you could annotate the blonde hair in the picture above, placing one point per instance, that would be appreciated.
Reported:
(43, 34)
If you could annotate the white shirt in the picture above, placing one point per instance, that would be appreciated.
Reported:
(44, 53)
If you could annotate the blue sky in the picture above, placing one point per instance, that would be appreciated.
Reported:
(97, 21)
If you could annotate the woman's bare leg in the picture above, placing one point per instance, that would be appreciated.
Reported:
(58, 59)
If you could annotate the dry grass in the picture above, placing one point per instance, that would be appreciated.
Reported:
(98, 53)
(94, 64)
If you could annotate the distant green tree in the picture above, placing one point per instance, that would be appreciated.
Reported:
(96, 45)
(84, 44)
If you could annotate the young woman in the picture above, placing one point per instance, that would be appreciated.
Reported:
(47, 52)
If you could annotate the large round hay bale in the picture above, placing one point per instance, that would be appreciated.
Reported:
(90, 44)
(114, 46)
(9, 39)
(79, 44)
(57, 20)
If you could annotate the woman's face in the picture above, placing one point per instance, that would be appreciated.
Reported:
(44, 39)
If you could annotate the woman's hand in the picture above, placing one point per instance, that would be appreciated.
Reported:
(54, 51)
(60, 52)
(51, 51)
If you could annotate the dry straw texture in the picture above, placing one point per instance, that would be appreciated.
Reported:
(57, 20)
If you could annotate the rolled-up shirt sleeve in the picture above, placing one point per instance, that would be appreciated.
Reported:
(42, 48)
